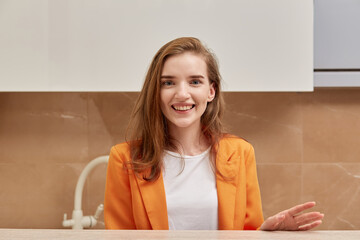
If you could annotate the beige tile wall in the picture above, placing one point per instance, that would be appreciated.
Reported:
(307, 148)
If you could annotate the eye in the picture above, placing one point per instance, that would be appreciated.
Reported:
(195, 82)
(167, 83)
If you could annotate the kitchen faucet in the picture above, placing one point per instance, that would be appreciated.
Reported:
(79, 221)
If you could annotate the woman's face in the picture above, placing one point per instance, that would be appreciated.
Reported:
(185, 90)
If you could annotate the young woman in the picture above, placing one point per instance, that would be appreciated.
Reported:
(179, 170)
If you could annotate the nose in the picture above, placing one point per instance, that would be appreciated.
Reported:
(182, 91)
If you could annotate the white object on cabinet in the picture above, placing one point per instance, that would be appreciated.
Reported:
(96, 45)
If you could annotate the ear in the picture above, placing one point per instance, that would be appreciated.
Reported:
(212, 92)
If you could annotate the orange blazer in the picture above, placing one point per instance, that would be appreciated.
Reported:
(133, 203)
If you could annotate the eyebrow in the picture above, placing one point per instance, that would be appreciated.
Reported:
(172, 77)
(167, 77)
(197, 76)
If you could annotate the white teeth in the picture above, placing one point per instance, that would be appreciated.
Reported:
(182, 108)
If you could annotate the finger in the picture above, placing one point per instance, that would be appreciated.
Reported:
(310, 226)
(306, 218)
(299, 208)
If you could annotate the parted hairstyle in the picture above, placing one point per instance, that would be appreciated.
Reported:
(147, 132)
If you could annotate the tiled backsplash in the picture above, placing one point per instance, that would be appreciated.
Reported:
(306, 145)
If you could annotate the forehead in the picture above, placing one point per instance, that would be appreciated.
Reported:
(187, 61)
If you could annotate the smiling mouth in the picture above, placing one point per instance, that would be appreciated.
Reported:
(183, 108)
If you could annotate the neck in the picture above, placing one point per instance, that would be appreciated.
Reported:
(189, 141)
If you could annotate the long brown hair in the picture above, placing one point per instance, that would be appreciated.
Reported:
(148, 128)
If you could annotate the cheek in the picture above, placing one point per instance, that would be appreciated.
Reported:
(203, 97)
(163, 100)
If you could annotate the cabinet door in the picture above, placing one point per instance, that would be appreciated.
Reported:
(96, 45)
(337, 38)
(337, 34)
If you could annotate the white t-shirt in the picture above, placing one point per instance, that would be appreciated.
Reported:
(191, 195)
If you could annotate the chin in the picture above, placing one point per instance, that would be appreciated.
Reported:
(182, 124)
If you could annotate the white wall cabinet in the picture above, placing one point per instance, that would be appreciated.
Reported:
(104, 45)
(337, 43)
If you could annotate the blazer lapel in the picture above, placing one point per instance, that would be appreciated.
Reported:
(226, 165)
(153, 195)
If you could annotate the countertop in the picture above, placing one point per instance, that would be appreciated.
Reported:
(49, 234)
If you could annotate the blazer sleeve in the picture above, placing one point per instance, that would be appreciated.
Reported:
(118, 212)
(254, 215)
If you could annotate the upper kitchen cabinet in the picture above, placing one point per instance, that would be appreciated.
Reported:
(96, 45)
(336, 45)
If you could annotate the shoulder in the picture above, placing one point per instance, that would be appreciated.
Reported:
(120, 152)
(121, 147)
(231, 143)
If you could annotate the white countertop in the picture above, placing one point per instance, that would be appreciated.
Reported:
(49, 234)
